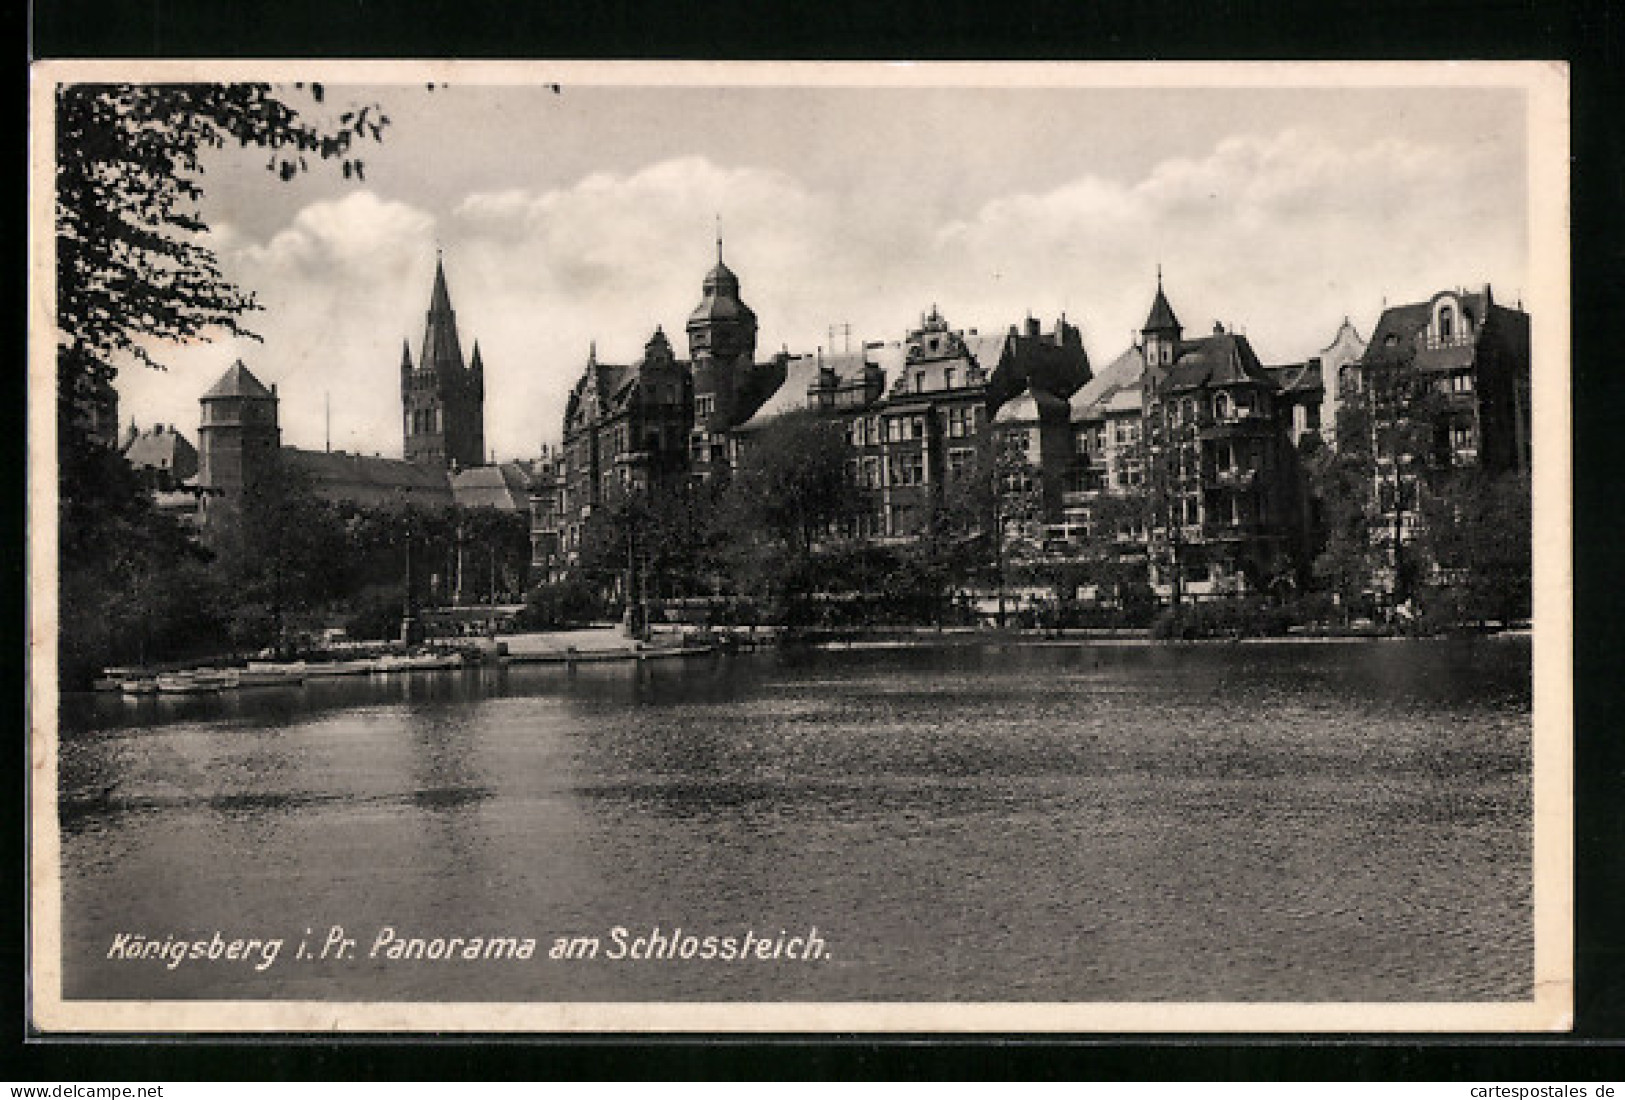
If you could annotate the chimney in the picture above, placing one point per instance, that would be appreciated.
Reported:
(1032, 325)
(1218, 328)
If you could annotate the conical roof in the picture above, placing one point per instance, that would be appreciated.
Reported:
(238, 381)
(1161, 318)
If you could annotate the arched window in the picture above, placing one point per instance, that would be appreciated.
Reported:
(1447, 323)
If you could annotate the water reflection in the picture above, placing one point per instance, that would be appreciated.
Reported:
(1142, 822)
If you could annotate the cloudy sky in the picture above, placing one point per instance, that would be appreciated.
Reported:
(590, 214)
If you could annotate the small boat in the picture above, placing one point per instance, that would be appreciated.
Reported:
(316, 669)
(271, 674)
(417, 662)
(186, 683)
(139, 685)
(434, 660)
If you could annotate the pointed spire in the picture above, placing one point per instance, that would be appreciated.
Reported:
(441, 351)
(475, 366)
(440, 299)
(719, 237)
(1161, 318)
(406, 354)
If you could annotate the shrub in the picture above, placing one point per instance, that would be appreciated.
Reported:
(561, 604)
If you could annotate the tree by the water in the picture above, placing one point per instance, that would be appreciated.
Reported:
(135, 270)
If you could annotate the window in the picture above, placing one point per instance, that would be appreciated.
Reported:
(1221, 406)
(948, 378)
(705, 405)
(919, 381)
(908, 469)
(919, 427)
(1462, 437)
(961, 422)
(960, 460)
(894, 429)
(1447, 323)
(870, 477)
(1461, 382)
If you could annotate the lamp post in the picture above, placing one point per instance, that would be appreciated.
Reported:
(411, 627)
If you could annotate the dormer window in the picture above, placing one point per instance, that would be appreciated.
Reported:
(1447, 323)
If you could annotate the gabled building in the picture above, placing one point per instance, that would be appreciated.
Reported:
(1469, 357)
(1228, 496)
(1107, 458)
(1198, 431)
(161, 456)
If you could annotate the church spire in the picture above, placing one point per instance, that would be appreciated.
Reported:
(441, 351)
(440, 299)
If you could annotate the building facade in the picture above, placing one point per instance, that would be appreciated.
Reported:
(1196, 437)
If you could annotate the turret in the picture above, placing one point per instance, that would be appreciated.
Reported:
(721, 346)
(1162, 330)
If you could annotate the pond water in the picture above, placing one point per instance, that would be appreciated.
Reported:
(1346, 821)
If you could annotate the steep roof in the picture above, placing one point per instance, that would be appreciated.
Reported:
(505, 486)
(800, 374)
(1161, 316)
(988, 350)
(1223, 359)
(1030, 407)
(1099, 395)
(1401, 330)
(238, 381)
(163, 448)
(368, 479)
(1297, 378)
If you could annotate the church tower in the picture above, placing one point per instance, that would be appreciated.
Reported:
(442, 400)
(1161, 331)
(722, 349)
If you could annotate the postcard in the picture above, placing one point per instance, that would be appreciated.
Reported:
(799, 548)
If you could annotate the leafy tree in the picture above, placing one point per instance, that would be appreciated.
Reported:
(133, 262)
(1476, 533)
(1346, 558)
(792, 491)
(134, 270)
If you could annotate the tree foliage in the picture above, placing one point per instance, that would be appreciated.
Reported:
(134, 264)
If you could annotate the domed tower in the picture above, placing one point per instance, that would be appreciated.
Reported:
(442, 400)
(1161, 331)
(721, 348)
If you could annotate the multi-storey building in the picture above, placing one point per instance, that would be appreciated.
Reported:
(1443, 386)
(1107, 457)
(1197, 432)
(1459, 361)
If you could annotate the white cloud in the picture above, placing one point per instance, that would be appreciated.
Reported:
(1283, 234)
